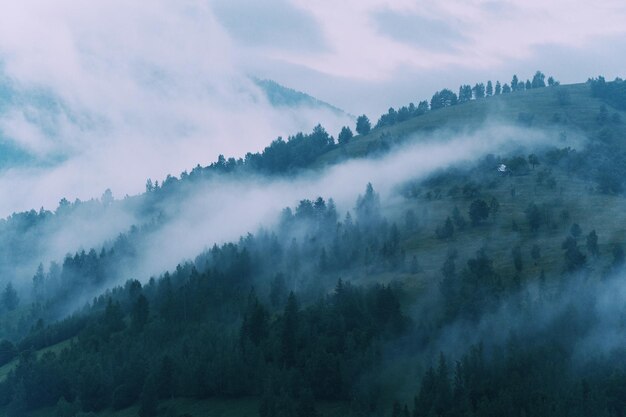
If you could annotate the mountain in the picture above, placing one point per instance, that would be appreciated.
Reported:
(447, 286)
(557, 108)
(281, 96)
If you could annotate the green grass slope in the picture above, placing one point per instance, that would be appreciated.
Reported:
(565, 106)
(56, 349)
(556, 110)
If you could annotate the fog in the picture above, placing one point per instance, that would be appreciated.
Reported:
(132, 92)
(139, 91)
(227, 207)
(191, 217)
(586, 315)
(224, 207)
(98, 108)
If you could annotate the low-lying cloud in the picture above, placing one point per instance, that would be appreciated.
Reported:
(109, 95)
(225, 208)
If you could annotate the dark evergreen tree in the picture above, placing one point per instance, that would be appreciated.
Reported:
(465, 93)
(149, 186)
(592, 244)
(140, 313)
(449, 288)
(478, 212)
(446, 231)
(575, 231)
(480, 286)
(574, 258)
(107, 197)
(289, 332)
(10, 299)
(368, 207)
(459, 220)
(165, 381)
(396, 409)
(148, 406)
(422, 108)
(443, 98)
(18, 406)
(363, 125)
(534, 217)
(113, 317)
(39, 284)
(538, 80)
(93, 388)
(255, 326)
(278, 291)
(494, 207)
(479, 90)
(345, 135)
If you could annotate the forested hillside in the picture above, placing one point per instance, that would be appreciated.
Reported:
(490, 285)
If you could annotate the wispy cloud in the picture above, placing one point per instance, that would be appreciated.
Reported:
(140, 91)
(494, 32)
(275, 24)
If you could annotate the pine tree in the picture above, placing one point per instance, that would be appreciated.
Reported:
(165, 378)
(38, 283)
(148, 401)
(592, 244)
(140, 313)
(345, 135)
(278, 290)
(363, 125)
(113, 316)
(289, 331)
(10, 299)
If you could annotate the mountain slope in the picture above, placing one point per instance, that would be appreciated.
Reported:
(564, 107)
(455, 266)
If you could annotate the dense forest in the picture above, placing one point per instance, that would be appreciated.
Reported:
(489, 287)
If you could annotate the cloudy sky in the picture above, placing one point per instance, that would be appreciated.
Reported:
(365, 55)
(108, 93)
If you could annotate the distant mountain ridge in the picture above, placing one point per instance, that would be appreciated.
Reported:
(279, 95)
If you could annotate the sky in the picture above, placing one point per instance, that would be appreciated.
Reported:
(370, 54)
(107, 93)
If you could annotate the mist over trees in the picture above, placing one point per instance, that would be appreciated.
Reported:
(491, 287)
